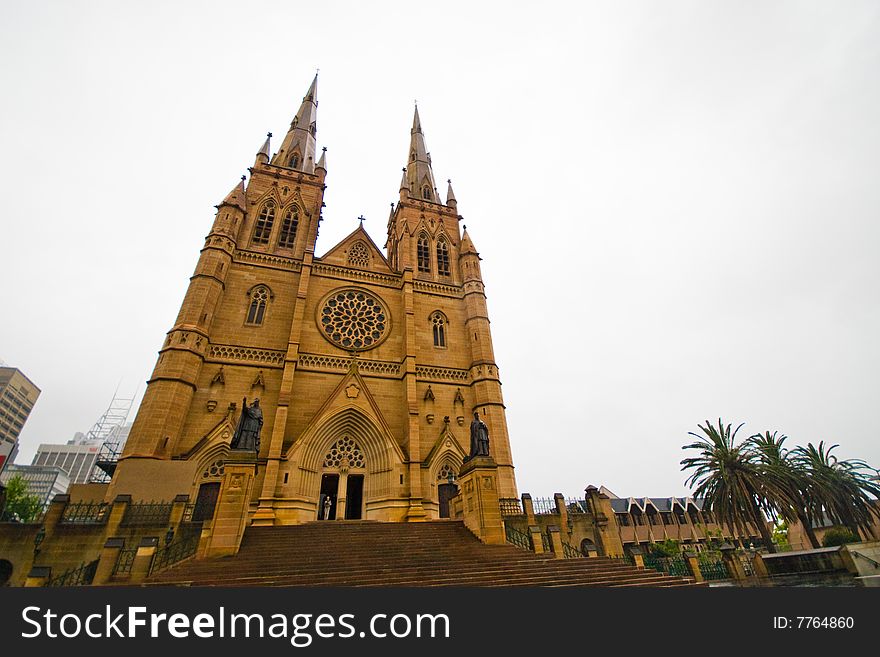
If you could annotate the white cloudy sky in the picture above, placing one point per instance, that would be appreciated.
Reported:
(676, 202)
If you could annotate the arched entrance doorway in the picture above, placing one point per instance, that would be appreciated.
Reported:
(446, 489)
(342, 481)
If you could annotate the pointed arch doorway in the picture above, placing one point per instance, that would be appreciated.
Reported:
(342, 481)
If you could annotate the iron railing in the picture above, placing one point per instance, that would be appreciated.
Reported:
(510, 506)
(544, 506)
(623, 559)
(668, 565)
(124, 561)
(85, 513)
(545, 543)
(80, 576)
(147, 513)
(518, 538)
(570, 553)
(712, 569)
(175, 552)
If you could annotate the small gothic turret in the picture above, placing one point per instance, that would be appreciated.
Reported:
(298, 148)
(450, 197)
(263, 153)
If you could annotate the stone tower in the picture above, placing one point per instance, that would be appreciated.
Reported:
(368, 368)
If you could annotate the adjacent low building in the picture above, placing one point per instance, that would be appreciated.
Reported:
(43, 481)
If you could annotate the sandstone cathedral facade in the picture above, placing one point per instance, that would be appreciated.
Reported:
(368, 367)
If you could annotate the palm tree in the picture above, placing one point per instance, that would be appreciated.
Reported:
(730, 483)
(841, 490)
(776, 464)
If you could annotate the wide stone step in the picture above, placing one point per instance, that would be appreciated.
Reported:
(369, 553)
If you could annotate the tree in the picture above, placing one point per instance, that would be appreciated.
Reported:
(730, 483)
(776, 465)
(842, 491)
(20, 504)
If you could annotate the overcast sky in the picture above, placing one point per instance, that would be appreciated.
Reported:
(677, 203)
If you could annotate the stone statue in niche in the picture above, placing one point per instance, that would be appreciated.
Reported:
(479, 437)
(247, 433)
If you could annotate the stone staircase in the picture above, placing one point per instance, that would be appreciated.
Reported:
(368, 553)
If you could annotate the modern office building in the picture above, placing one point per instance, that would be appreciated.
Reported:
(18, 394)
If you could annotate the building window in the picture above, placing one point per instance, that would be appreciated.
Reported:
(259, 297)
(344, 451)
(442, 258)
(438, 324)
(263, 227)
(423, 254)
(288, 228)
(294, 161)
(358, 255)
(426, 193)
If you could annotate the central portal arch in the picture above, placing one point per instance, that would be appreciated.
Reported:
(349, 460)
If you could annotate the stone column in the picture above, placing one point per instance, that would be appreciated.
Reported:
(693, 565)
(562, 510)
(731, 560)
(537, 541)
(605, 524)
(38, 576)
(638, 556)
(107, 560)
(478, 480)
(555, 542)
(341, 492)
(528, 509)
(233, 504)
(143, 559)
(759, 566)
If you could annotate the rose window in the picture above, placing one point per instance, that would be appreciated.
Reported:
(445, 471)
(344, 449)
(352, 319)
(214, 470)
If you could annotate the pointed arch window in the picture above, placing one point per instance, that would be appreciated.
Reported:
(259, 301)
(438, 327)
(358, 255)
(426, 193)
(265, 220)
(288, 228)
(423, 254)
(294, 161)
(442, 258)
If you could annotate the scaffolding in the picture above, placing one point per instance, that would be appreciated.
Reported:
(109, 433)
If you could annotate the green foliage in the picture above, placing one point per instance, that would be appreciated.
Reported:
(20, 504)
(667, 548)
(839, 536)
(728, 479)
(780, 536)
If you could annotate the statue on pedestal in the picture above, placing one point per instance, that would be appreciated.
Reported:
(247, 433)
(479, 437)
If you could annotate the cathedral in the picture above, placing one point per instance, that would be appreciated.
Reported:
(363, 370)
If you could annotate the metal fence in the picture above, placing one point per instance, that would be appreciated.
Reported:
(575, 505)
(712, 568)
(517, 538)
(147, 513)
(570, 553)
(85, 513)
(124, 561)
(544, 506)
(668, 565)
(80, 576)
(175, 552)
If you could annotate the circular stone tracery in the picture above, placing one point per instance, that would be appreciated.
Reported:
(353, 319)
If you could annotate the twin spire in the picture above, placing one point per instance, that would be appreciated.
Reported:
(298, 149)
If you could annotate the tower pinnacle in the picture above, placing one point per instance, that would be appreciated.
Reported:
(298, 148)
(419, 176)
